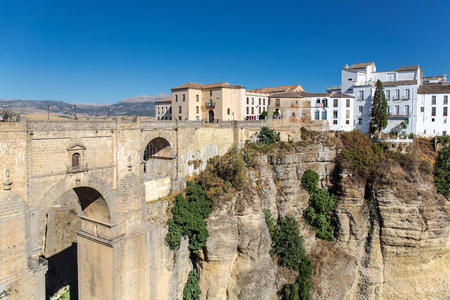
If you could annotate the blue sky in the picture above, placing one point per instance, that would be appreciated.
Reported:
(103, 51)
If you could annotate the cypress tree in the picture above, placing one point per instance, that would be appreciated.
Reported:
(378, 120)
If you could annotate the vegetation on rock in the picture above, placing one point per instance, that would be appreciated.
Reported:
(268, 136)
(191, 289)
(223, 173)
(287, 245)
(321, 202)
(189, 214)
(442, 172)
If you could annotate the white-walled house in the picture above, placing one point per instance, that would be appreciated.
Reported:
(433, 109)
(336, 108)
(255, 104)
(163, 109)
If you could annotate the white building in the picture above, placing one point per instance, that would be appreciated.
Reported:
(255, 104)
(433, 109)
(163, 109)
(336, 108)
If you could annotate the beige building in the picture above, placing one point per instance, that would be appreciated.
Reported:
(290, 106)
(163, 109)
(211, 102)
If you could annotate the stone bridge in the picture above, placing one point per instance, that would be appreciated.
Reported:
(72, 208)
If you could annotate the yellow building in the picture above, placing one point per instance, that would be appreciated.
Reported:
(211, 102)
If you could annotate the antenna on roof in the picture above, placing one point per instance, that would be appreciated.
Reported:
(346, 66)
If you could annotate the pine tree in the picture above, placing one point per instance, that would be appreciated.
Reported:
(378, 119)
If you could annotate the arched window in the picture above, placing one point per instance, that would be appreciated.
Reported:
(317, 115)
(76, 160)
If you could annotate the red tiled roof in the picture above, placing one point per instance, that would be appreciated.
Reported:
(278, 89)
(434, 88)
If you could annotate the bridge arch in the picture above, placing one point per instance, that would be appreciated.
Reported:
(74, 207)
(158, 158)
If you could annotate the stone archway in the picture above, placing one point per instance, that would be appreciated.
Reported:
(79, 210)
(158, 159)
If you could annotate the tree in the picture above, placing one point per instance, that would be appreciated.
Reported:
(378, 120)
(263, 115)
(442, 171)
(268, 136)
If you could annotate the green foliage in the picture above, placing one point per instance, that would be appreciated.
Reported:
(378, 119)
(268, 136)
(321, 202)
(222, 173)
(191, 289)
(263, 115)
(309, 180)
(287, 244)
(444, 140)
(189, 214)
(301, 288)
(442, 171)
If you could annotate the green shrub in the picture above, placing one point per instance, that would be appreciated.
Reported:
(222, 173)
(287, 244)
(189, 214)
(191, 289)
(321, 202)
(310, 180)
(442, 172)
(268, 136)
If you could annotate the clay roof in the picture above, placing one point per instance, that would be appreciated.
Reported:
(194, 85)
(434, 77)
(408, 68)
(304, 94)
(278, 89)
(168, 99)
(361, 65)
(434, 88)
(399, 82)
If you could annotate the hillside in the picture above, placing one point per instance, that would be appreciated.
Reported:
(140, 105)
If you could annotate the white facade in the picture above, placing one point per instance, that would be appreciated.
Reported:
(163, 109)
(254, 105)
(336, 109)
(433, 113)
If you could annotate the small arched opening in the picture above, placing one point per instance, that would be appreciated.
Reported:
(76, 157)
(158, 158)
(62, 222)
(211, 116)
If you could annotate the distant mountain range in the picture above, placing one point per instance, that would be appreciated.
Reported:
(142, 105)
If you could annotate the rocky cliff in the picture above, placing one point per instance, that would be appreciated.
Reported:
(392, 232)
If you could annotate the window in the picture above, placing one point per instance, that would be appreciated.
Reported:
(433, 111)
(259, 109)
(210, 93)
(293, 114)
(422, 109)
(179, 109)
(397, 94)
(197, 118)
(347, 102)
(388, 94)
(197, 98)
(397, 109)
(259, 101)
(407, 93)
(407, 110)
(433, 100)
(76, 160)
(347, 122)
(253, 100)
(324, 115)
(264, 101)
(176, 98)
(179, 118)
(253, 110)
(247, 110)
(268, 101)
(444, 133)
(335, 114)
(184, 97)
(361, 95)
(277, 102)
(359, 121)
(247, 100)
(445, 112)
(347, 114)
(317, 115)
(228, 111)
(158, 110)
(334, 122)
(445, 100)
(335, 103)
(389, 110)
(360, 108)
(196, 109)
(325, 102)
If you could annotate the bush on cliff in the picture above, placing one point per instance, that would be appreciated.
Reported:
(321, 202)
(287, 245)
(222, 173)
(191, 289)
(268, 136)
(189, 214)
(442, 172)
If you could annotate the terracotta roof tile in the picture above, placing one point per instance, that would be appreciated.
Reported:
(278, 89)
(361, 65)
(408, 68)
(399, 82)
(434, 88)
(194, 85)
(304, 94)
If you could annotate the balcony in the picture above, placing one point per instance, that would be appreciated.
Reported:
(210, 104)
(398, 115)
